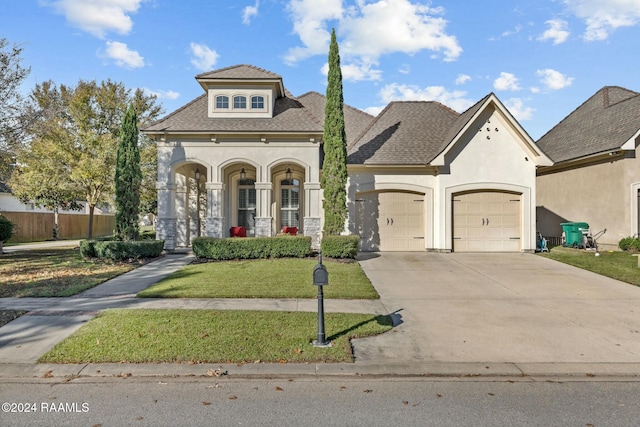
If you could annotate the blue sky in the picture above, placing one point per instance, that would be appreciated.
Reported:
(542, 58)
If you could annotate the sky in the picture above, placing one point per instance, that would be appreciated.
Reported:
(542, 58)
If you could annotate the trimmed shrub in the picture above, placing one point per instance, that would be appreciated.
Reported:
(340, 246)
(251, 247)
(6, 229)
(631, 244)
(120, 250)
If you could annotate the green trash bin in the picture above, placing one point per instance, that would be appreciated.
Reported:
(573, 233)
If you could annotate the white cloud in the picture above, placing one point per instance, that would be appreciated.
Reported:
(452, 99)
(370, 29)
(162, 94)
(123, 56)
(98, 17)
(506, 81)
(557, 31)
(553, 79)
(462, 79)
(356, 72)
(518, 109)
(605, 16)
(204, 59)
(249, 12)
(374, 111)
(309, 23)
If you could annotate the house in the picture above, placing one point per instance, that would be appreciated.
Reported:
(595, 177)
(245, 158)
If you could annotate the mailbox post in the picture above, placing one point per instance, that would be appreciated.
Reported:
(320, 278)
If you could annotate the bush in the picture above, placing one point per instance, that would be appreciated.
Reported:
(120, 250)
(340, 246)
(6, 229)
(251, 247)
(631, 244)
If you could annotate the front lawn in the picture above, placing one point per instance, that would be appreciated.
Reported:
(617, 265)
(211, 336)
(270, 278)
(53, 272)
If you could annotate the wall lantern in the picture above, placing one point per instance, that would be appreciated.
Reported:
(288, 174)
(243, 173)
(197, 174)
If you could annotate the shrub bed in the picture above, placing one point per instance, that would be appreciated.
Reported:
(631, 244)
(251, 247)
(340, 246)
(120, 250)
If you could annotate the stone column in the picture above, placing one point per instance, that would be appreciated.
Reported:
(166, 221)
(312, 212)
(214, 221)
(264, 220)
(182, 216)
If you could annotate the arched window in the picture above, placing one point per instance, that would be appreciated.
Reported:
(289, 203)
(257, 102)
(239, 101)
(222, 101)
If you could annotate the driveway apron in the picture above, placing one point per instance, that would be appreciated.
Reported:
(499, 307)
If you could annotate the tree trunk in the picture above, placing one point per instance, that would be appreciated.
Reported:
(56, 225)
(90, 228)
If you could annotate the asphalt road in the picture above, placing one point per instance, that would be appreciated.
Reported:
(329, 402)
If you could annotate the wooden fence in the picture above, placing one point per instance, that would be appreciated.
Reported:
(36, 226)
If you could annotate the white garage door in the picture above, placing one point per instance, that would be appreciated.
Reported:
(487, 221)
(390, 221)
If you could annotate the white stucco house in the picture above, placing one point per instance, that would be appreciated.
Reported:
(245, 158)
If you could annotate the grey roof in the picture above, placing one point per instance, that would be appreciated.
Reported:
(602, 123)
(289, 116)
(240, 72)
(355, 121)
(407, 132)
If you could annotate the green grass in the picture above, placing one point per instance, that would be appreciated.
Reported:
(53, 272)
(616, 265)
(272, 278)
(210, 336)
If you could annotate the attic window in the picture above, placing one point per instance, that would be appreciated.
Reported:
(239, 102)
(222, 101)
(257, 102)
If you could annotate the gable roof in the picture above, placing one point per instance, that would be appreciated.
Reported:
(239, 72)
(405, 132)
(606, 121)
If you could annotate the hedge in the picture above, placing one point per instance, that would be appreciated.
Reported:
(6, 229)
(121, 250)
(340, 246)
(220, 249)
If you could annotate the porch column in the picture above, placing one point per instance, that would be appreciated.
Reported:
(312, 212)
(214, 221)
(182, 216)
(166, 221)
(264, 220)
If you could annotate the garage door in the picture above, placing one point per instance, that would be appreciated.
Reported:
(390, 221)
(486, 221)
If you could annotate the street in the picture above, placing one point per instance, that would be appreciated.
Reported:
(220, 401)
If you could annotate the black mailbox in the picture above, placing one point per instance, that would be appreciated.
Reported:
(320, 275)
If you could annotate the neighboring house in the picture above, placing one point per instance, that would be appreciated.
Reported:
(596, 173)
(246, 158)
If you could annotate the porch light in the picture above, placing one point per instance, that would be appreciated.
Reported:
(288, 174)
(197, 174)
(243, 174)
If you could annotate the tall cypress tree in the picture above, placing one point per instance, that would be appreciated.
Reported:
(128, 178)
(334, 169)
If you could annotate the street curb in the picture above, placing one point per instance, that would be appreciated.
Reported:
(69, 372)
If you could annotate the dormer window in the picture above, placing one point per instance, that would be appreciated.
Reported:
(239, 102)
(222, 101)
(257, 102)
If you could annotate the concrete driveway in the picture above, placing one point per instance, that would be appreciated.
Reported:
(500, 308)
